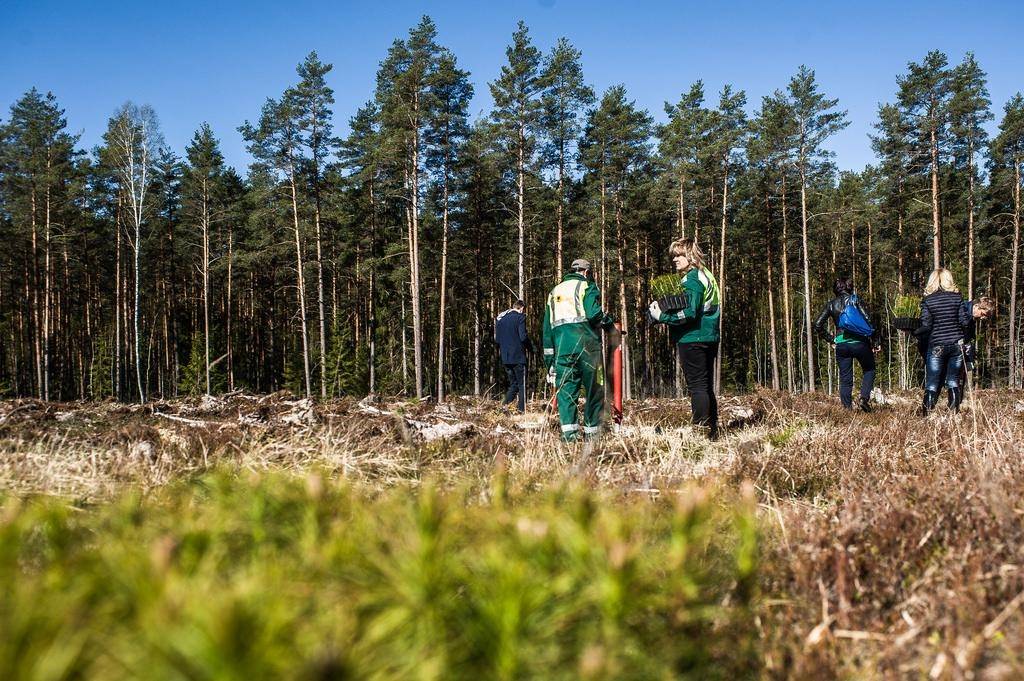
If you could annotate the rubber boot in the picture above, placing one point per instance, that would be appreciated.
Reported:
(928, 403)
(865, 405)
(954, 396)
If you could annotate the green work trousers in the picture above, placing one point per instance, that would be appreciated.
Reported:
(577, 372)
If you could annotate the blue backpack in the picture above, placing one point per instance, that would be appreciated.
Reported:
(851, 319)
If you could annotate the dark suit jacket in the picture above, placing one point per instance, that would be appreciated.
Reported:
(510, 335)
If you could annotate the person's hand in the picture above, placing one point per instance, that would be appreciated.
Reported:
(654, 310)
(550, 378)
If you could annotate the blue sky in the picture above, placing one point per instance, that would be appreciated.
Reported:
(218, 61)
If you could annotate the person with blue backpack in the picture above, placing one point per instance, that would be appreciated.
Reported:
(855, 339)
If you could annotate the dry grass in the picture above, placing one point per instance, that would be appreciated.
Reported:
(893, 544)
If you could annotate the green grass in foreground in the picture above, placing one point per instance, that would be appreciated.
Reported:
(282, 577)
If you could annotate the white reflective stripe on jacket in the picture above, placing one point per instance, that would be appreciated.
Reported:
(711, 294)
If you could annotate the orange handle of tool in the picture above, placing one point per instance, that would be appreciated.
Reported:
(617, 379)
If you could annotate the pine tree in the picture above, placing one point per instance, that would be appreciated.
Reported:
(729, 128)
(203, 199)
(445, 138)
(1007, 153)
(361, 155)
(564, 99)
(274, 142)
(969, 111)
(924, 95)
(816, 121)
(406, 101)
(38, 157)
(517, 111)
(684, 145)
(312, 99)
(615, 146)
(133, 140)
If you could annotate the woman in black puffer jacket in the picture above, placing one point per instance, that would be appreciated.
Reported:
(941, 326)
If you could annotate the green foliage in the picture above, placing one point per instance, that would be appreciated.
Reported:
(101, 383)
(666, 285)
(280, 577)
(907, 306)
(193, 374)
(346, 364)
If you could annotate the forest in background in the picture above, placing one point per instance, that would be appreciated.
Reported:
(375, 261)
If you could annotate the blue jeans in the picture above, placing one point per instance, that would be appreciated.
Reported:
(845, 354)
(943, 363)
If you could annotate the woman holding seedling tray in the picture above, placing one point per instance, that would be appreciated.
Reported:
(693, 320)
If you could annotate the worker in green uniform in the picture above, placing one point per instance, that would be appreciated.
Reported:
(695, 331)
(572, 348)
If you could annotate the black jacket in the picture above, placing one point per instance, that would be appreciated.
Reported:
(832, 310)
(967, 321)
(510, 335)
(941, 318)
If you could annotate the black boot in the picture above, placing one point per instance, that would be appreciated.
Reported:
(928, 403)
(954, 396)
(865, 404)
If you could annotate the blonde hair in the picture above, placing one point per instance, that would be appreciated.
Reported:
(688, 248)
(940, 279)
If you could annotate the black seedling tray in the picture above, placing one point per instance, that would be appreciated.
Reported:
(673, 303)
(908, 324)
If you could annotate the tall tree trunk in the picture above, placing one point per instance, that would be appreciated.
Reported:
(807, 274)
(300, 279)
(414, 252)
(444, 289)
(936, 226)
(682, 205)
(320, 282)
(206, 281)
(1014, 372)
(853, 249)
(47, 294)
(771, 299)
(721, 278)
(36, 317)
(228, 331)
(871, 270)
(623, 312)
(521, 201)
(118, 302)
(970, 217)
(559, 263)
(137, 305)
(372, 303)
(786, 310)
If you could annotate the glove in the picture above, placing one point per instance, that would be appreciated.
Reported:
(654, 311)
(550, 378)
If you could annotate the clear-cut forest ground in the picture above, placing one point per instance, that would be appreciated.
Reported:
(379, 539)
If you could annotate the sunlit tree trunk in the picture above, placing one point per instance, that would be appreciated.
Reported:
(786, 310)
(300, 277)
(721, 277)
(807, 271)
(936, 225)
(1014, 368)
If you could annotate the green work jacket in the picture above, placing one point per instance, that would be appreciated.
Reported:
(572, 318)
(699, 321)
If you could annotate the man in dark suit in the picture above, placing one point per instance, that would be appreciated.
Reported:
(510, 335)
